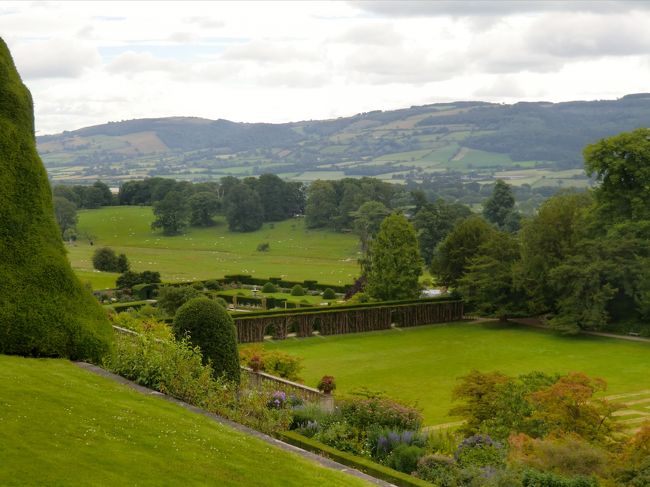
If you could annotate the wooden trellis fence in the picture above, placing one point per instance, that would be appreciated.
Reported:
(334, 322)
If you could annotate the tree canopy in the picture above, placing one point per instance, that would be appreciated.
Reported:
(454, 254)
(172, 213)
(395, 263)
(243, 208)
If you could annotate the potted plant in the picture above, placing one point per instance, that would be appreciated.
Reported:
(255, 363)
(327, 384)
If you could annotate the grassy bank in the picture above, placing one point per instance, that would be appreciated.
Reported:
(60, 425)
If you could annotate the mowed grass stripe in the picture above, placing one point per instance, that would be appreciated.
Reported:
(60, 425)
(423, 364)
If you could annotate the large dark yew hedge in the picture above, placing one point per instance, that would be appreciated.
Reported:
(44, 309)
(213, 329)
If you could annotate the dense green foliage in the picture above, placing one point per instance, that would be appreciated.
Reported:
(105, 259)
(355, 461)
(621, 165)
(94, 196)
(488, 284)
(335, 204)
(274, 362)
(581, 260)
(172, 214)
(434, 221)
(170, 298)
(297, 290)
(269, 287)
(455, 253)
(395, 263)
(329, 293)
(367, 220)
(44, 309)
(499, 208)
(243, 208)
(210, 327)
(203, 206)
(65, 213)
(129, 279)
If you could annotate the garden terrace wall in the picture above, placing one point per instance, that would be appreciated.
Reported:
(307, 394)
(253, 327)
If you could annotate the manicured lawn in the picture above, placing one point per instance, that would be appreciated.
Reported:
(422, 364)
(202, 253)
(60, 425)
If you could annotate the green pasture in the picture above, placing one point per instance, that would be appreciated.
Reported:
(60, 425)
(472, 158)
(422, 364)
(296, 253)
(309, 176)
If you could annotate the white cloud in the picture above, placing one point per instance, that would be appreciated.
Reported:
(590, 35)
(131, 63)
(503, 87)
(400, 64)
(471, 8)
(377, 34)
(268, 51)
(56, 58)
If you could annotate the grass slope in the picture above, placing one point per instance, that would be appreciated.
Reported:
(422, 364)
(60, 425)
(201, 253)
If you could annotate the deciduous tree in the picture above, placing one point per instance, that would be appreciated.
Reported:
(395, 263)
(172, 214)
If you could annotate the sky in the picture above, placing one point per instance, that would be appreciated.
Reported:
(88, 63)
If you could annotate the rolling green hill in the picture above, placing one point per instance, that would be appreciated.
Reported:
(412, 143)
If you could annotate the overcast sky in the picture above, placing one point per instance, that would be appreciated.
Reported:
(92, 62)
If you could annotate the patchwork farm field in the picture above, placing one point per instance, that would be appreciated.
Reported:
(422, 364)
(60, 425)
(296, 253)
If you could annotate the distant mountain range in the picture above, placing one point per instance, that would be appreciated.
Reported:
(520, 141)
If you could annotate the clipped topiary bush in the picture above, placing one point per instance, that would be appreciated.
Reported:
(269, 287)
(297, 290)
(210, 327)
(329, 293)
(44, 309)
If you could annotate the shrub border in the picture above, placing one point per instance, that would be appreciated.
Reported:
(363, 464)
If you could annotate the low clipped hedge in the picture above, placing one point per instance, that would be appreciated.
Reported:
(360, 463)
(343, 307)
(119, 307)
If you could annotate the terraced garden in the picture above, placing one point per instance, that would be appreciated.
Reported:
(422, 364)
